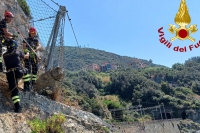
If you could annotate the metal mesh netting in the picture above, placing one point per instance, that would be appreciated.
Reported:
(42, 18)
(45, 19)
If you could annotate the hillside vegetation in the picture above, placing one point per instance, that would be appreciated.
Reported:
(77, 58)
(177, 87)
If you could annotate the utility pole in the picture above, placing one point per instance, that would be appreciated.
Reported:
(161, 116)
(164, 110)
(152, 112)
(160, 111)
(139, 100)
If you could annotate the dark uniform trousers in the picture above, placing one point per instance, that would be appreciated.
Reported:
(12, 77)
(29, 79)
(34, 64)
(14, 73)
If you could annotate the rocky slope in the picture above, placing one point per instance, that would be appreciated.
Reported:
(20, 17)
(41, 107)
(37, 106)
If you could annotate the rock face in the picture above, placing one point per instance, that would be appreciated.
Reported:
(35, 105)
(188, 126)
(13, 123)
(20, 17)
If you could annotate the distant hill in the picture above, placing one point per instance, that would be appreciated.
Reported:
(76, 58)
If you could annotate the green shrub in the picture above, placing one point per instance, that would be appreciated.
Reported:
(184, 90)
(180, 94)
(50, 125)
(105, 129)
(145, 118)
(112, 104)
(23, 4)
(37, 126)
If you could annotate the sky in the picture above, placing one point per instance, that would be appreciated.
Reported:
(129, 27)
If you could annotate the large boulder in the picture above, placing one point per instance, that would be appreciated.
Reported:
(50, 83)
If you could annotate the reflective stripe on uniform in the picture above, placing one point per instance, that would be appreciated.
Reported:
(34, 77)
(0, 59)
(15, 97)
(3, 40)
(27, 77)
(17, 100)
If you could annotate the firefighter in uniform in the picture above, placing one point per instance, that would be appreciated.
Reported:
(5, 34)
(14, 71)
(32, 63)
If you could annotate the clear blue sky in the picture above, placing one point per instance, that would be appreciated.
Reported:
(129, 27)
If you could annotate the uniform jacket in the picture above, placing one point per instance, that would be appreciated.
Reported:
(12, 59)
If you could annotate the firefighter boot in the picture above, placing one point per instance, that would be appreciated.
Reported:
(18, 108)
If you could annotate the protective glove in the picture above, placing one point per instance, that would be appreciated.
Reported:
(15, 36)
(26, 51)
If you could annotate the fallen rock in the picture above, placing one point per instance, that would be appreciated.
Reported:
(49, 83)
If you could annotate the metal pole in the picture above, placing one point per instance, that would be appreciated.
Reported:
(61, 48)
(59, 16)
(139, 100)
(164, 110)
(140, 107)
(153, 115)
(172, 115)
(160, 112)
(161, 116)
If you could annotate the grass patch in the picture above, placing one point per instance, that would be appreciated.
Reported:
(49, 125)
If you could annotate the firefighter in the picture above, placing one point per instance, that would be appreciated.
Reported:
(31, 44)
(5, 34)
(14, 71)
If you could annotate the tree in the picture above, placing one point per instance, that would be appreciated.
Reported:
(166, 88)
(151, 61)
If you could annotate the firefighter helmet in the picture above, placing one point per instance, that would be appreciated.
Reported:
(12, 44)
(32, 30)
(8, 14)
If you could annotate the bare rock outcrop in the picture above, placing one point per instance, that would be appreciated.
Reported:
(38, 106)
